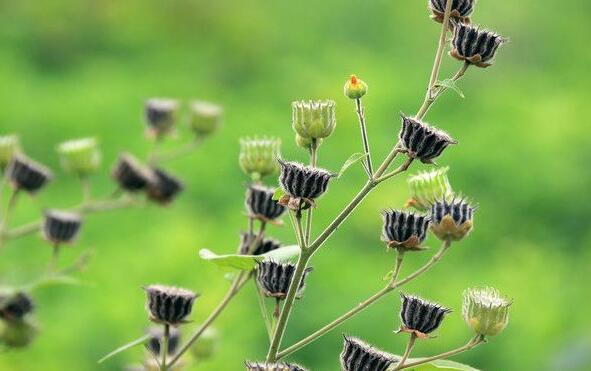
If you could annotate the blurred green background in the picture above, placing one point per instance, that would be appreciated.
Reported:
(70, 69)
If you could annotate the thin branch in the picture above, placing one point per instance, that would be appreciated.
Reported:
(409, 346)
(361, 117)
(400, 169)
(313, 161)
(185, 150)
(164, 350)
(471, 344)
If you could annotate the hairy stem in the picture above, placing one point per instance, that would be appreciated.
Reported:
(409, 346)
(471, 344)
(313, 161)
(164, 350)
(361, 116)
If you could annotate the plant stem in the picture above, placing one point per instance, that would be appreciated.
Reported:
(361, 116)
(409, 346)
(164, 350)
(176, 153)
(264, 312)
(9, 208)
(400, 169)
(313, 161)
(471, 344)
(86, 191)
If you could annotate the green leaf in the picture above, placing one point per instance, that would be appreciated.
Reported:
(451, 84)
(279, 192)
(355, 157)
(248, 262)
(440, 364)
(125, 347)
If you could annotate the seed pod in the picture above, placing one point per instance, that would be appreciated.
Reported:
(475, 46)
(485, 310)
(404, 230)
(9, 146)
(131, 175)
(61, 226)
(422, 141)
(452, 220)
(164, 187)
(355, 88)
(427, 187)
(14, 307)
(313, 119)
(205, 119)
(274, 278)
(18, 334)
(460, 10)
(207, 345)
(419, 316)
(359, 356)
(259, 366)
(154, 343)
(80, 156)
(27, 175)
(169, 305)
(266, 245)
(161, 115)
(303, 182)
(258, 157)
(260, 204)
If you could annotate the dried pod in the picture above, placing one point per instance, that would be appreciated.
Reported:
(9, 146)
(303, 182)
(485, 310)
(154, 343)
(26, 174)
(404, 230)
(475, 46)
(427, 187)
(460, 10)
(260, 366)
(15, 306)
(274, 278)
(258, 157)
(80, 156)
(260, 204)
(314, 119)
(169, 305)
(205, 118)
(161, 115)
(452, 220)
(61, 226)
(422, 141)
(359, 356)
(164, 187)
(420, 317)
(264, 246)
(131, 175)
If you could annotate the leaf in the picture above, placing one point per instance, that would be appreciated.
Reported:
(355, 157)
(125, 347)
(248, 262)
(440, 364)
(451, 84)
(388, 276)
(279, 192)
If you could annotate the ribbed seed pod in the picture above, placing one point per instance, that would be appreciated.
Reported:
(422, 141)
(9, 146)
(258, 156)
(61, 226)
(420, 316)
(80, 156)
(404, 230)
(274, 278)
(164, 187)
(161, 115)
(314, 119)
(452, 220)
(26, 174)
(429, 186)
(205, 118)
(131, 175)
(475, 46)
(157, 336)
(304, 182)
(169, 305)
(261, 366)
(266, 245)
(359, 356)
(460, 10)
(15, 306)
(260, 204)
(485, 310)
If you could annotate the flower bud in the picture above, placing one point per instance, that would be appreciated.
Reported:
(306, 142)
(9, 145)
(61, 226)
(302, 182)
(355, 88)
(266, 245)
(452, 220)
(485, 310)
(80, 156)
(460, 10)
(131, 175)
(274, 278)
(419, 316)
(403, 230)
(164, 187)
(18, 334)
(207, 345)
(157, 336)
(422, 141)
(258, 157)
(15, 306)
(161, 116)
(260, 204)
(256, 366)
(205, 118)
(169, 305)
(475, 46)
(359, 356)
(313, 119)
(27, 175)
(427, 187)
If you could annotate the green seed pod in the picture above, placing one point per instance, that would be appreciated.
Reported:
(485, 310)
(258, 157)
(426, 187)
(9, 145)
(205, 118)
(80, 156)
(18, 334)
(207, 345)
(314, 119)
(355, 88)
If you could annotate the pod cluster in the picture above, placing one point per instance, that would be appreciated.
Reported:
(169, 305)
(302, 182)
(420, 316)
(27, 175)
(474, 45)
(61, 226)
(274, 278)
(404, 230)
(421, 141)
(359, 356)
(261, 366)
(260, 204)
(264, 246)
(452, 220)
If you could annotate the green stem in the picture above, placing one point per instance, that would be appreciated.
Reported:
(264, 311)
(400, 169)
(361, 117)
(164, 350)
(409, 346)
(86, 190)
(313, 161)
(471, 344)
(176, 153)
(9, 208)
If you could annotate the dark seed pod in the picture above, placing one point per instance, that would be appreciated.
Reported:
(419, 316)
(460, 10)
(131, 175)
(27, 175)
(14, 307)
(452, 220)
(274, 278)
(260, 204)
(422, 141)
(266, 245)
(259, 366)
(404, 230)
(475, 46)
(303, 182)
(359, 356)
(61, 226)
(169, 305)
(164, 188)
(161, 115)
(157, 335)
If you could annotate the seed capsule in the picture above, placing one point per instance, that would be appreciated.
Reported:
(460, 10)
(260, 204)
(266, 245)
(27, 175)
(359, 356)
(355, 88)
(427, 187)
(485, 310)
(205, 118)
(169, 305)
(9, 146)
(161, 115)
(274, 278)
(404, 230)
(164, 187)
(313, 119)
(452, 220)
(303, 182)
(422, 141)
(61, 226)
(131, 175)
(256, 366)
(14, 307)
(80, 156)
(157, 336)
(420, 316)
(475, 46)
(258, 157)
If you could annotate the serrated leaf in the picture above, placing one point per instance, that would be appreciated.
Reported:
(248, 262)
(451, 84)
(279, 192)
(440, 364)
(125, 347)
(355, 157)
